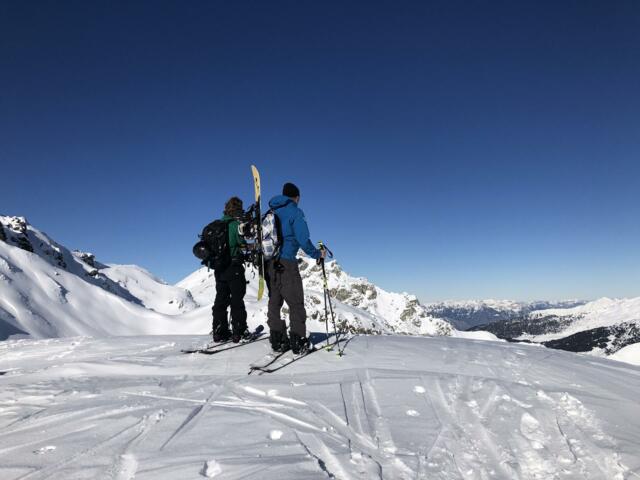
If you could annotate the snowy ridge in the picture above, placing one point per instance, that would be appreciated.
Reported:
(154, 293)
(601, 327)
(604, 312)
(48, 291)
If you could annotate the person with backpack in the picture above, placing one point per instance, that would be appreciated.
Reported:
(231, 285)
(285, 280)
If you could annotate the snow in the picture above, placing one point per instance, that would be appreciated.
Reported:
(477, 335)
(603, 312)
(93, 384)
(154, 293)
(54, 292)
(393, 407)
(629, 354)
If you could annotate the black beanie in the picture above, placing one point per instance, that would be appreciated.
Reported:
(290, 190)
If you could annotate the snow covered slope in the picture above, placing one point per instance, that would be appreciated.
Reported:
(152, 292)
(604, 312)
(394, 407)
(48, 291)
(629, 354)
(601, 327)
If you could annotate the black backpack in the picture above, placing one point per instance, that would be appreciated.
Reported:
(213, 248)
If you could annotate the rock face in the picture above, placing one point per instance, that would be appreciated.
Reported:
(359, 305)
(18, 233)
(3, 236)
(88, 258)
(392, 312)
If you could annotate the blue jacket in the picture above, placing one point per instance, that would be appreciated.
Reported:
(295, 232)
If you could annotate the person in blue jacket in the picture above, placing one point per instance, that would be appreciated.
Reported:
(285, 280)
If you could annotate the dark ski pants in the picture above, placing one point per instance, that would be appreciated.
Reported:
(286, 286)
(231, 287)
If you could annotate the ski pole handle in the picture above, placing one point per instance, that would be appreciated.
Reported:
(322, 248)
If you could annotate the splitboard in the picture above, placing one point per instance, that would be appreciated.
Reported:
(258, 198)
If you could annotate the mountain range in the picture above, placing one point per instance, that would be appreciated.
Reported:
(48, 291)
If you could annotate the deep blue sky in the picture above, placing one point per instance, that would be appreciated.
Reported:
(452, 149)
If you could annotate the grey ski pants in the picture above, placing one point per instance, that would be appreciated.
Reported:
(286, 286)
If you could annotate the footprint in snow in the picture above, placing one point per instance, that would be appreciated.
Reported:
(211, 469)
(43, 450)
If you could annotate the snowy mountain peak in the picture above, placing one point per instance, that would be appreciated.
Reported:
(360, 306)
(46, 290)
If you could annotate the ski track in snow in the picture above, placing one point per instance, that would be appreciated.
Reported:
(392, 408)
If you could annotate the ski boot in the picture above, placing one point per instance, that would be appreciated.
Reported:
(299, 345)
(221, 334)
(241, 335)
(279, 341)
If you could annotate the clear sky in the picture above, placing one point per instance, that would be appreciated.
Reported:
(453, 149)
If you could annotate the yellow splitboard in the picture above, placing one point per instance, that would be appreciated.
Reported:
(256, 186)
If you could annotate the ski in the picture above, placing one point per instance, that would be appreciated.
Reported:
(232, 346)
(265, 361)
(215, 347)
(283, 360)
(256, 187)
(209, 346)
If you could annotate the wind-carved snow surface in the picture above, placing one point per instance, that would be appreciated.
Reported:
(393, 407)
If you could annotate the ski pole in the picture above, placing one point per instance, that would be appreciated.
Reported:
(327, 297)
(326, 314)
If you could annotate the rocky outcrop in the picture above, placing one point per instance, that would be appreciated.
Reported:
(17, 233)
(88, 258)
(395, 312)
